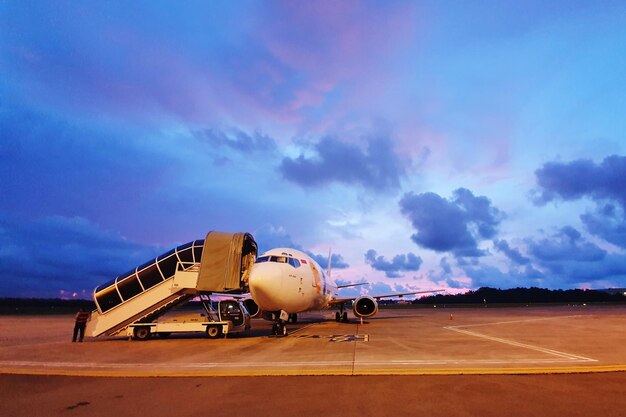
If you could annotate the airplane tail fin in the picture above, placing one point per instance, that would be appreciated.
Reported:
(328, 266)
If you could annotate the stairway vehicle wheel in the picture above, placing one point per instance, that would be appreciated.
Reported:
(345, 317)
(214, 332)
(142, 333)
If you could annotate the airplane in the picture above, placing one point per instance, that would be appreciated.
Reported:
(284, 282)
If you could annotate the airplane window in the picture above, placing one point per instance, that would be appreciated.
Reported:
(294, 262)
(262, 259)
(279, 259)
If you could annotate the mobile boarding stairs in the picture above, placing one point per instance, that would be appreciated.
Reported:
(218, 264)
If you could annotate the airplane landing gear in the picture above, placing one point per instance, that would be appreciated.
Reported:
(279, 329)
(341, 315)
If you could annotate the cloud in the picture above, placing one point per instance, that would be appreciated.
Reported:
(602, 183)
(583, 178)
(455, 225)
(270, 237)
(336, 260)
(377, 167)
(490, 276)
(564, 259)
(53, 254)
(513, 254)
(237, 139)
(565, 245)
(567, 259)
(399, 263)
(608, 222)
(445, 266)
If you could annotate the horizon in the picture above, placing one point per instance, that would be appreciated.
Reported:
(428, 145)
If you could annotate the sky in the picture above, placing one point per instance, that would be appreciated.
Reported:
(427, 144)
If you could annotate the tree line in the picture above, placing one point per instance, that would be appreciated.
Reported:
(523, 295)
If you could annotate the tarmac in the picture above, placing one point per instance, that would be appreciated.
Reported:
(440, 361)
(434, 341)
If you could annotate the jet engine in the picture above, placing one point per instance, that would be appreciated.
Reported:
(365, 306)
(252, 308)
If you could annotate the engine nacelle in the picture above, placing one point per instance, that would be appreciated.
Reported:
(365, 306)
(253, 308)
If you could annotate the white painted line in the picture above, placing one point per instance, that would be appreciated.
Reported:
(302, 328)
(519, 321)
(571, 357)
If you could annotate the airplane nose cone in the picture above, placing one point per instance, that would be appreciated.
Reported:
(265, 285)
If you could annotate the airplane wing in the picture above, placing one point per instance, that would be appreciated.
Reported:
(341, 300)
(352, 285)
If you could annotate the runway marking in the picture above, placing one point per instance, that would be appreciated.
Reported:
(569, 356)
(522, 321)
(302, 328)
(338, 337)
(556, 362)
(148, 370)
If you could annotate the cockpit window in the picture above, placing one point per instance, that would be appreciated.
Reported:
(279, 259)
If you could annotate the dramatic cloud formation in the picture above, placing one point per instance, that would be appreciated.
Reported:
(42, 257)
(603, 183)
(568, 257)
(299, 122)
(399, 263)
(377, 167)
(583, 178)
(455, 225)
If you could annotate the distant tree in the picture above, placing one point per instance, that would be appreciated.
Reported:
(523, 295)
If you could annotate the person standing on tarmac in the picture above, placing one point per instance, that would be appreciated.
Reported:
(79, 325)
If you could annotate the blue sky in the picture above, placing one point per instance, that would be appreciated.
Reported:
(430, 144)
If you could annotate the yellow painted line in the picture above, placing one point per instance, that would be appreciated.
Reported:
(313, 372)
(496, 371)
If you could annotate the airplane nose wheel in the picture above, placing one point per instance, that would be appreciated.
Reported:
(279, 329)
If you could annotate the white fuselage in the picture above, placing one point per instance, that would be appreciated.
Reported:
(291, 281)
